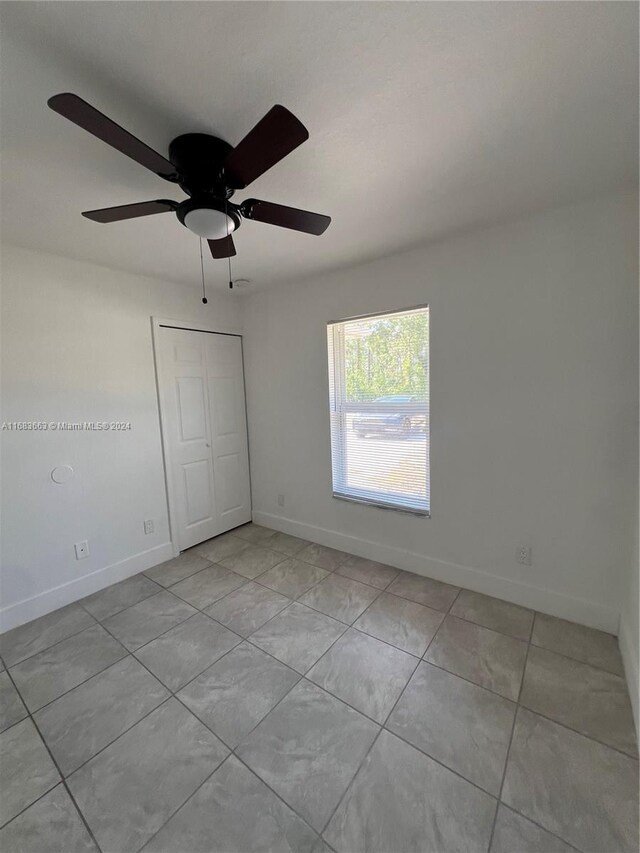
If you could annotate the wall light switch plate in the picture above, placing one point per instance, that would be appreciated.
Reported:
(148, 526)
(280, 500)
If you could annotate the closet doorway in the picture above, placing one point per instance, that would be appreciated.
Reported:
(204, 431)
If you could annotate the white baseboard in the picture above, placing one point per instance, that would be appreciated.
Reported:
(45, 602)
(629, 651)
(547, 601)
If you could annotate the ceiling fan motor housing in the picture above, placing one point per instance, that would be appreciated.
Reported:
(199, 158)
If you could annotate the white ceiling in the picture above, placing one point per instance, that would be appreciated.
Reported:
(425, 119)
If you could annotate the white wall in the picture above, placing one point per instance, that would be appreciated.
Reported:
(629, 632)
(76, 346)
(534, 407)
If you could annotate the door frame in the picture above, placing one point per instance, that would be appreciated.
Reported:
(190, 326)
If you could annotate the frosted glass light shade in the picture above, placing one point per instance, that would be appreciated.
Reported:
(209, 223)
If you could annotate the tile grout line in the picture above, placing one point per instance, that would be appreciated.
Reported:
(577, 660)
(174, 695)
(233, 753)
(57, 642)
(304, 675)
(79, 684)
(513, 728)
(294, 556)
(167, 588)
(468, 680)
(506, 763)
(122, 733)
(35, 722)
(539, 825)
(330, 616)
(233, 750)
(244, 737)
(253, 773)
(175, 812)
(400, 737)
(80, 601)
(437, 760)
(146, 642)
(62, 779)
(382, 728)
(616, 749)
(419, 749)
(343, 796)
(276, 794)
(297, 598)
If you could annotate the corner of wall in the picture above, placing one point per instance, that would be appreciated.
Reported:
(631, 661)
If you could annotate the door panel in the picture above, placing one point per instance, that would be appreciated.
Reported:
(204, 417)
(226, 408)
(191, 407)
(188, 354)
(229, 428)
(199, 499)
(229, 483)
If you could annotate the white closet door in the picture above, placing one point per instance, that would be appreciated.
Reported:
(203, 406)
(229, 444)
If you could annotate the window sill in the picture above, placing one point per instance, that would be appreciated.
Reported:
(421, 513)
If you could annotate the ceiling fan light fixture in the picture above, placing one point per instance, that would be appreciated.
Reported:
(209, 223)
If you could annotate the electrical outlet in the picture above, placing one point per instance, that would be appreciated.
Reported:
(82, 550)
(280, 500)
(523, 555)
(148, 526)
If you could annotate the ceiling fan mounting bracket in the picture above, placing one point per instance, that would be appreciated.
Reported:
(198, 158)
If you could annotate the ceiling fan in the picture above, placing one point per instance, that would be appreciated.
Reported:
(208, 170)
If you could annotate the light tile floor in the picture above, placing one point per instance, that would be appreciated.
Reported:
(263, 693)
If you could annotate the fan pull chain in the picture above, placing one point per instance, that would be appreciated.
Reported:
(204, 298)
(226, 213)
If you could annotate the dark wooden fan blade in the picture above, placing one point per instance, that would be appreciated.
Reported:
(275, 136)
(223, 248)
(285, 217)
(130, 211)
(87, 117)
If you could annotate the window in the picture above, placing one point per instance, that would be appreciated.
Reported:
(379, 402)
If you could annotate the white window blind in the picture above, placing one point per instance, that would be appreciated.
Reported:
(379, 403)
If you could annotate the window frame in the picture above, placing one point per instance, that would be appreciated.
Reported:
(336, 377)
